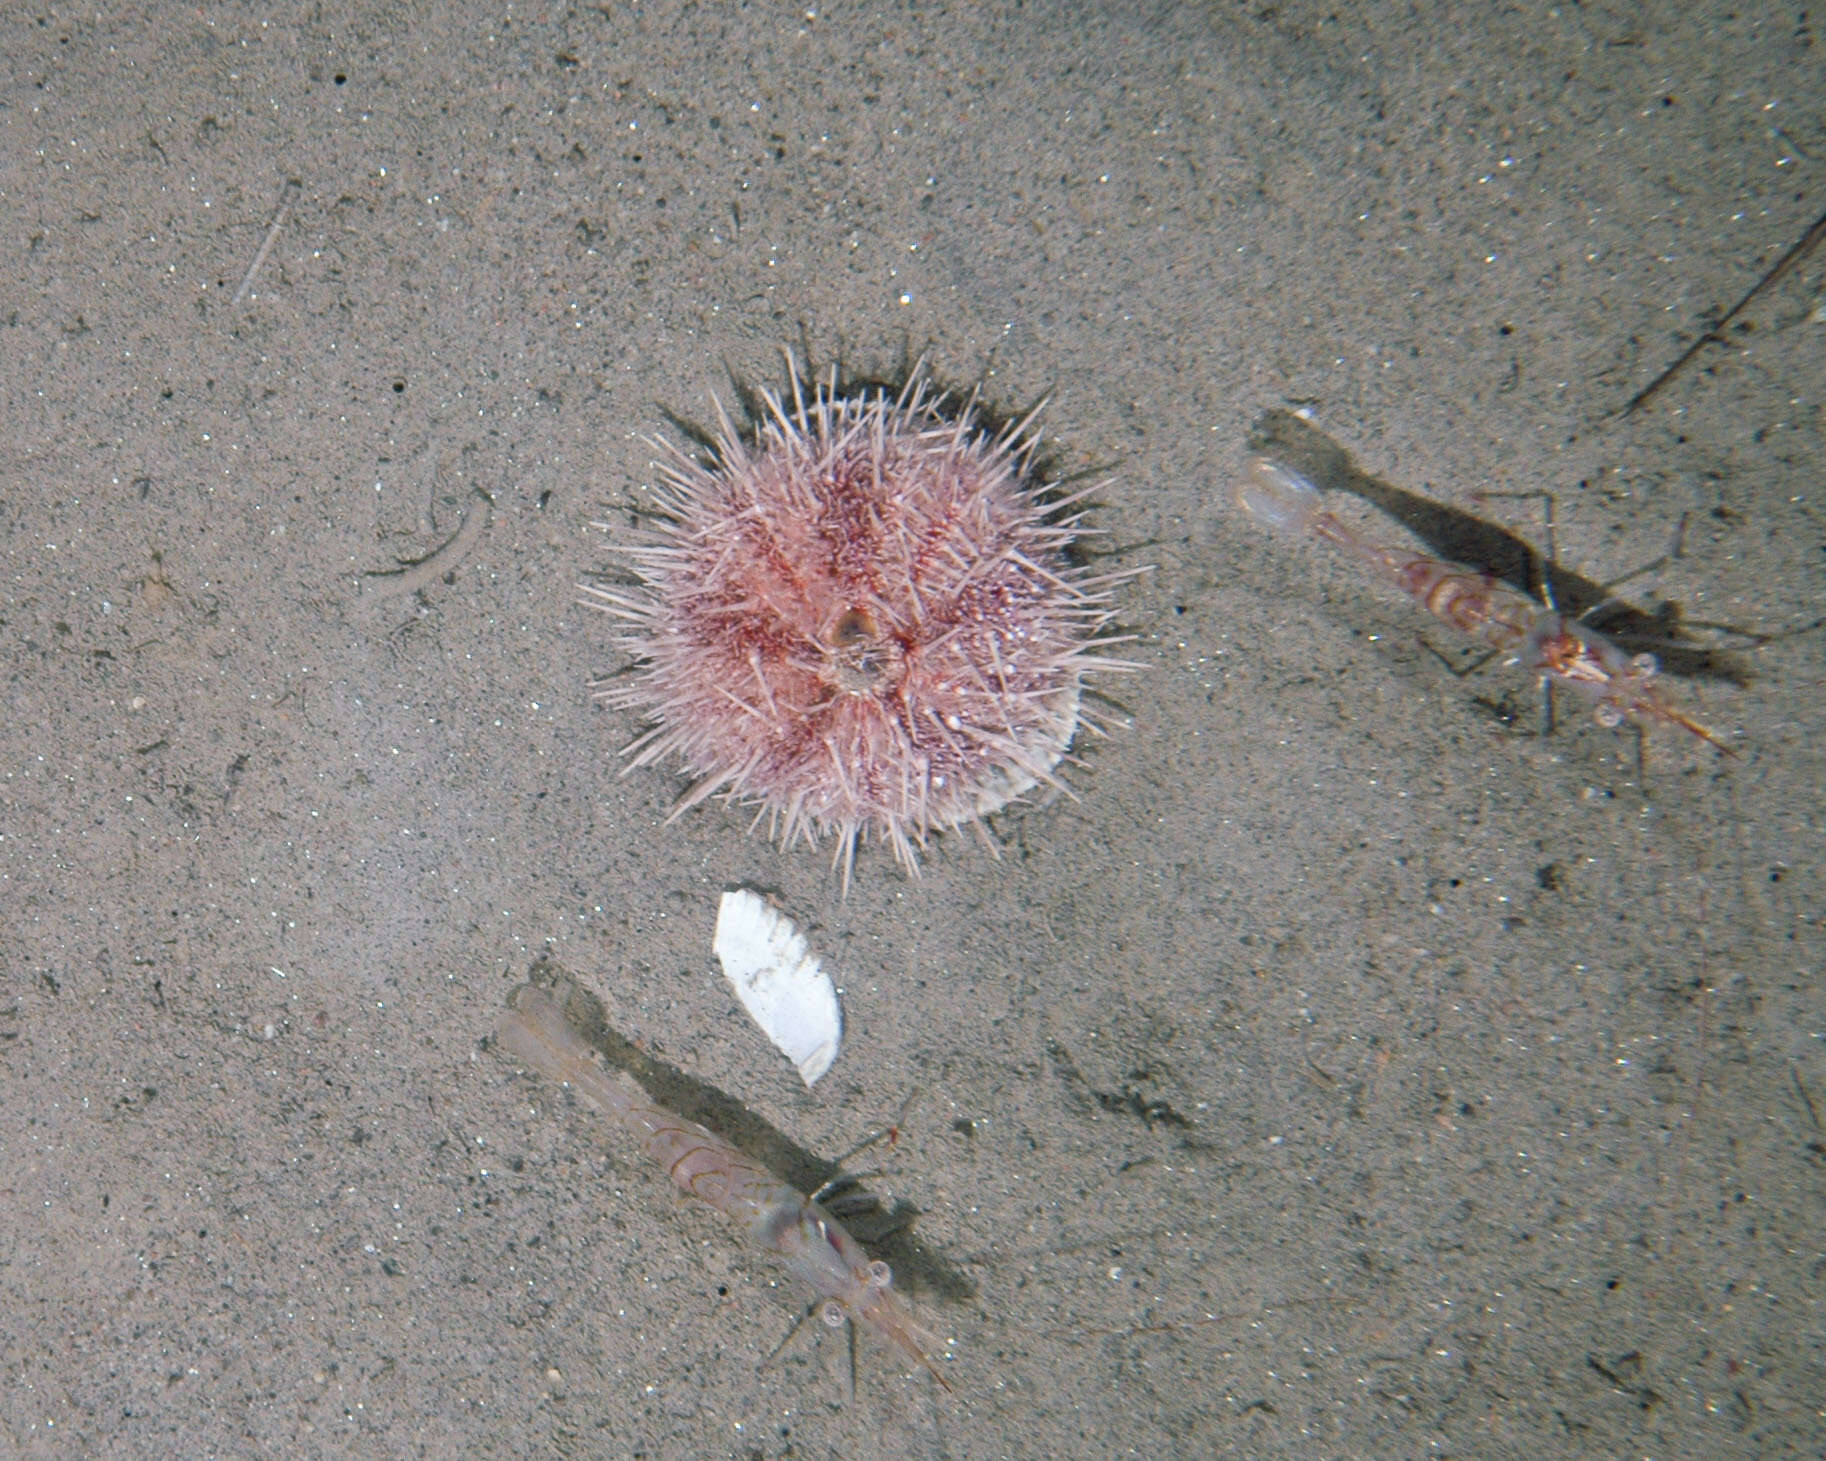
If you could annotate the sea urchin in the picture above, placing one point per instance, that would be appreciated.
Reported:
(858, 616)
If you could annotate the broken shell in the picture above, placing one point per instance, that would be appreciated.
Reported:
(779, 981)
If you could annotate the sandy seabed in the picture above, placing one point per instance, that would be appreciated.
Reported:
(1349, 1070)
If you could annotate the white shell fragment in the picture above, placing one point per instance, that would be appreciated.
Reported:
(779, 981)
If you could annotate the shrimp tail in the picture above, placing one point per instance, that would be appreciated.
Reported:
(1277, 495)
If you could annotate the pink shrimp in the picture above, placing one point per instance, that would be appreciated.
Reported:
(1540, 639)
(811, 1243)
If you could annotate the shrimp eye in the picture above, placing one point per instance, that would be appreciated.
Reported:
(880, 1275)
(832, 1314)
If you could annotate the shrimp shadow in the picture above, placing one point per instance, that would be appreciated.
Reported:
(885, 1227)
(1462, 537)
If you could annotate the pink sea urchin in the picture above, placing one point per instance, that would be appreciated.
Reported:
(858, 617)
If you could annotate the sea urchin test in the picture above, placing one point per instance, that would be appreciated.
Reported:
(859, 617)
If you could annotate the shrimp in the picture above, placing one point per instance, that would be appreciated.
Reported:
(811, 1243)
(1563, 651)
